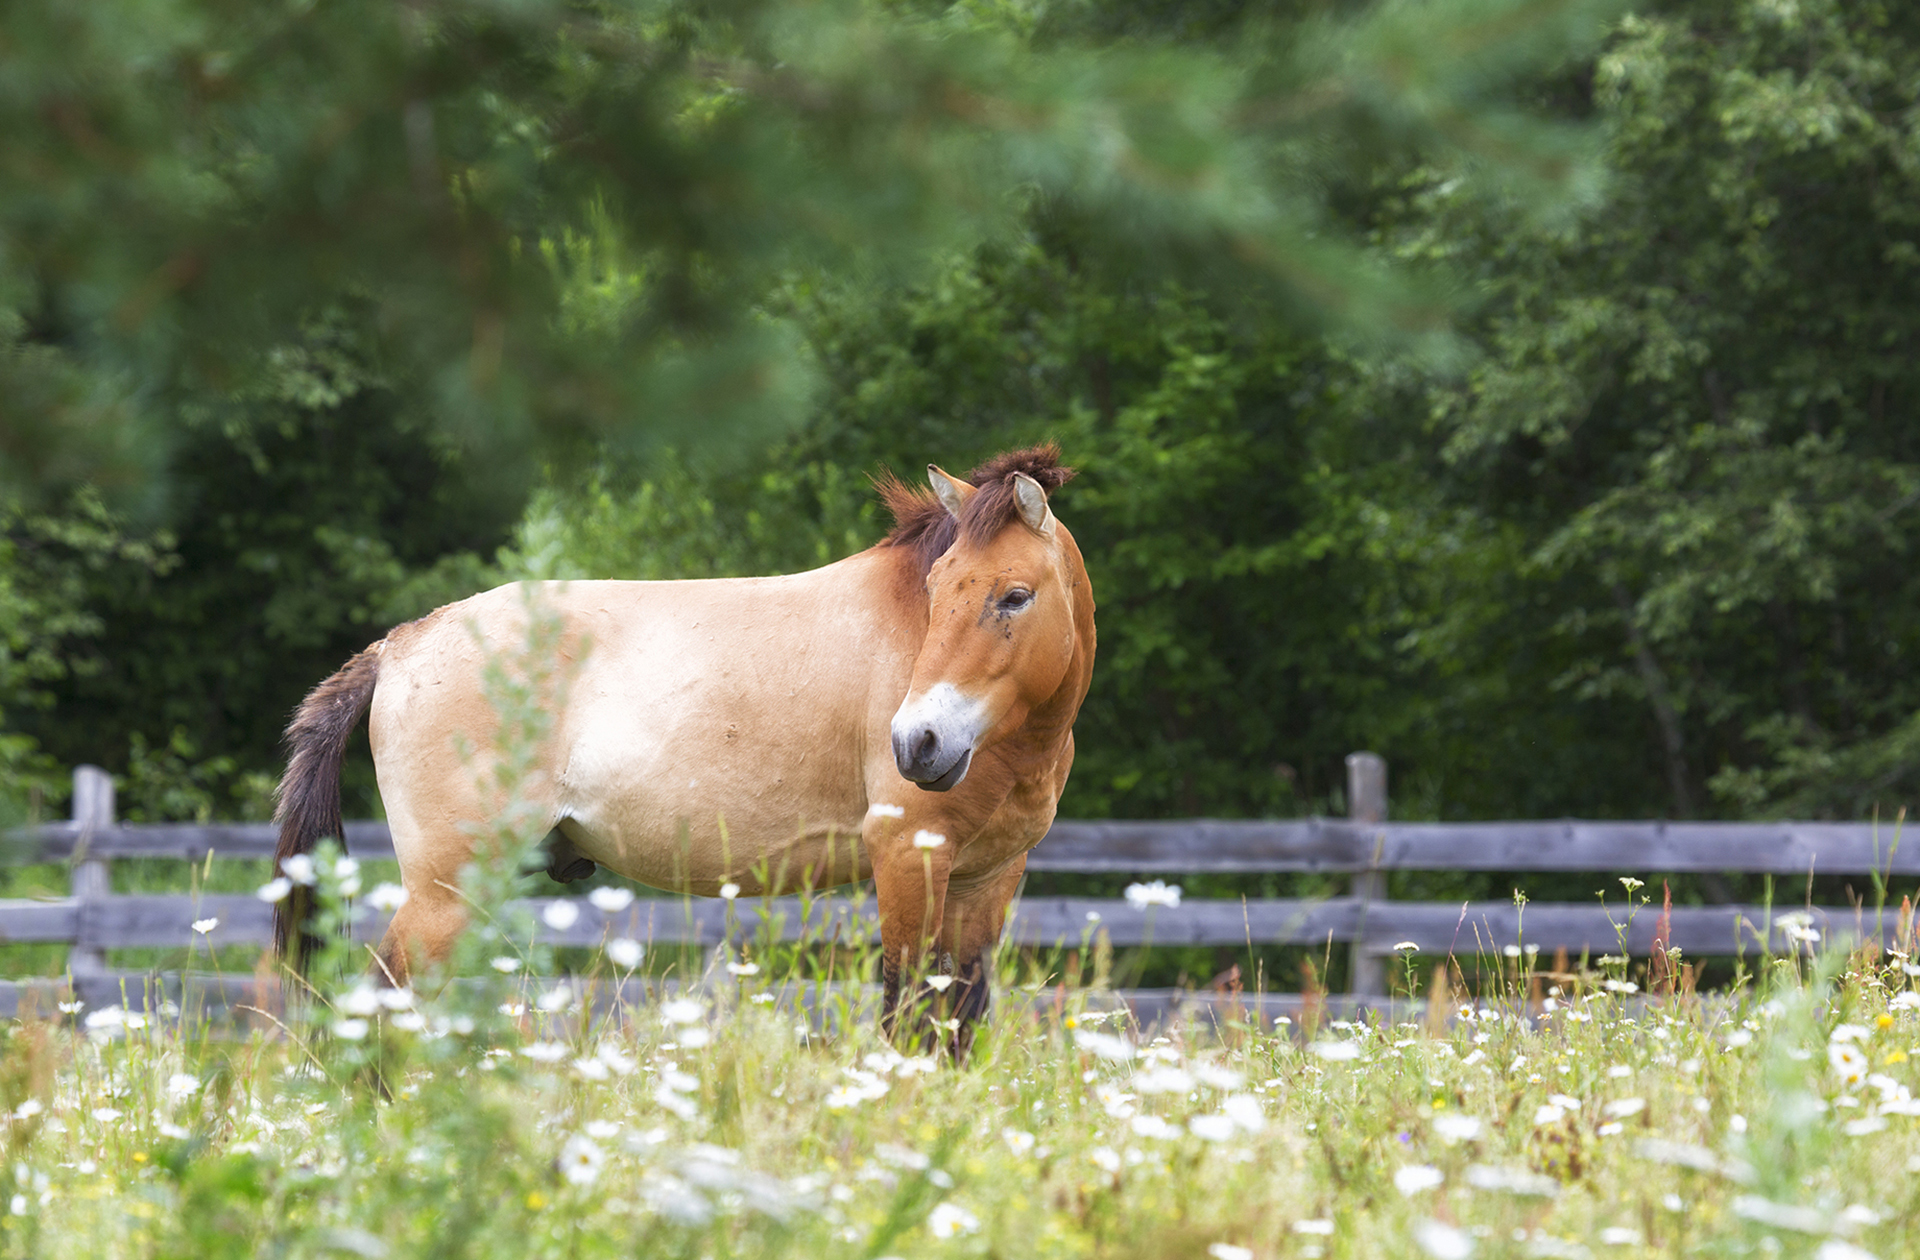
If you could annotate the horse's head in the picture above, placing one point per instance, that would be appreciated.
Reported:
(1009, 620)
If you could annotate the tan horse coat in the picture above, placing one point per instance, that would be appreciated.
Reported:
(715, 730)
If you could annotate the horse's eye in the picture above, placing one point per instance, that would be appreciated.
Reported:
(1015, 600)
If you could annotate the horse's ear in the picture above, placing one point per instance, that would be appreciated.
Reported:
(1032, 502)
(952, 492)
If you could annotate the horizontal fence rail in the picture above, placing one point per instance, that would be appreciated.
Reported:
(135, 920)
(1204, 846)
(1365, 846)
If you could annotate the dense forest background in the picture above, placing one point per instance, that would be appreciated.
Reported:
(1550, 431)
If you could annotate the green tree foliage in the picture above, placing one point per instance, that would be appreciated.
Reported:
(1695, 402)
(49, 565)
(309, 517)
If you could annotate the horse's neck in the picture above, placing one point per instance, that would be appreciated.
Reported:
(1050, 723)
(1059, 710)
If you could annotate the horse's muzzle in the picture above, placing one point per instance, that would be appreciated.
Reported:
(934, 735)
(922, 760)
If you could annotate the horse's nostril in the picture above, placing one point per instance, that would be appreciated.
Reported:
(923, 751)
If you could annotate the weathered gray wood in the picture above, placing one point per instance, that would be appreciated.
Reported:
(41, 998)
(1063, 921)
(162, 919)
(706, 921)
(91, 880)
(1207, 846)
(1367, 808)
(1200, 846)
(22, 921)
(1366, 788)
(1034, 921)
(1783, 848)
(198, 995)
(1489, 927)
(167, 920)
(55, 842)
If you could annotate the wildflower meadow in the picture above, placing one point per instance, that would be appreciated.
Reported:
(747, 1110)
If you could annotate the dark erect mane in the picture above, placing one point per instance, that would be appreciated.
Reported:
(920, 522)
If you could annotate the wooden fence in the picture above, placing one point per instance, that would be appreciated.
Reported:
(1366, 846)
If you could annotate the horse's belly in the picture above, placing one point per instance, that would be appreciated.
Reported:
(694, 827)
(698, 785)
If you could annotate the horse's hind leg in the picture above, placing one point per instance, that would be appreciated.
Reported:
(421, 934)
(423, 930)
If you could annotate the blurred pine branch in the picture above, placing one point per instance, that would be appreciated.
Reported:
(558, 224)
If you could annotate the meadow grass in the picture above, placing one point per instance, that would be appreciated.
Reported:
(507, 1118)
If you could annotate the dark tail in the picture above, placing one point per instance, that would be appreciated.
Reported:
(307, 802)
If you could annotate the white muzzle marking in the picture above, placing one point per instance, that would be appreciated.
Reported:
(934, 735)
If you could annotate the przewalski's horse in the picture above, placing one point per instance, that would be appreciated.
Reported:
(927, 684)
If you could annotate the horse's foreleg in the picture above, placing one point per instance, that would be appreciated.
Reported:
(969, 931)
(911, 887)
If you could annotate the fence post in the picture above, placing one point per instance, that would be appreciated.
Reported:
(1367, 803)
(92, 814)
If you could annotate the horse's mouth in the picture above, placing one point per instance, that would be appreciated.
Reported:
(954, 773)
